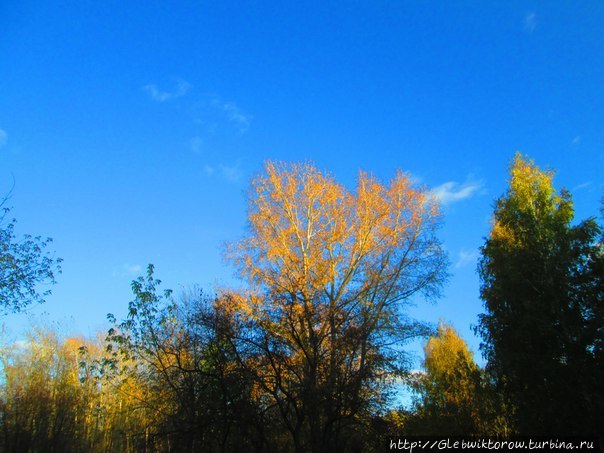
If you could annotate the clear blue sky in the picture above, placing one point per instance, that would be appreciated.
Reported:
(132, 129)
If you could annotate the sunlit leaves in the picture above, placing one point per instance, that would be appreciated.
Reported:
(309, 236)
(454, 398)
(44, 402)
(452, 372)
(531, 201)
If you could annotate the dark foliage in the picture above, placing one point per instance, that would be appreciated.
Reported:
(25, 264)
(542, 285)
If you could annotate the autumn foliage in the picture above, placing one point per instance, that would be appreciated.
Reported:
(330, 270)
(304, 357)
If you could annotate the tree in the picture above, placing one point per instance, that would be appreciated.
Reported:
(330, 272)
(177, 357)
(455, 399)
(24, 264)
(541, 283)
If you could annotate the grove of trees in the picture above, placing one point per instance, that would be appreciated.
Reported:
(306, 356)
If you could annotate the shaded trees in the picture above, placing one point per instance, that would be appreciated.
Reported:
(24, 264)
(542, 285)
(330, 271)
(179, 359)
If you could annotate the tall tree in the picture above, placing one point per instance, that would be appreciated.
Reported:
(24, 265)
(542, 287)
(330, 272)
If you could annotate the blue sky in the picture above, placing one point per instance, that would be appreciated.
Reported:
(132, 131)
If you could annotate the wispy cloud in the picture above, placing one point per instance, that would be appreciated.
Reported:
(3, 137)
(209, 170)
(128, 270)
(452, 192)
(582, 186)
(134, 269)
(576, 141)
(233, 113)
(530, 21)
(231, 173)
(196, 144)
(466, 257)
(180, 89)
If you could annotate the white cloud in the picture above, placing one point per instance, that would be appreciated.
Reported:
(128, 270)
(180, 89)
(576, 141)
(133, 268)
(234, 114)
(466, 257)
(3, 138)
(452, 192)
(530, 21)
(230, 173)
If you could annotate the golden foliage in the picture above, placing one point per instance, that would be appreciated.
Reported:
(451, 365)
(309, 237)
(531, 194)
(328, 267)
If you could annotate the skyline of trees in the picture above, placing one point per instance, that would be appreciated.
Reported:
(304, 358)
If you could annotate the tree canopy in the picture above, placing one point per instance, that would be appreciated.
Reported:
(542, 289)
(330, 271)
